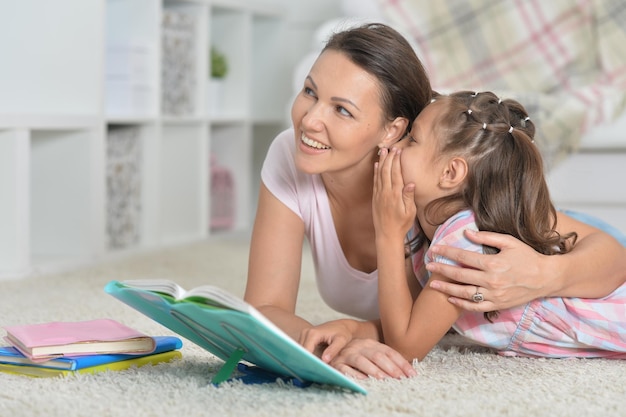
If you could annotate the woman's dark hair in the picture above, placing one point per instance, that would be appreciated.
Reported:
(386, 54)
(505, 186)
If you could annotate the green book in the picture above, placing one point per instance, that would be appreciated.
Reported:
(228, 327)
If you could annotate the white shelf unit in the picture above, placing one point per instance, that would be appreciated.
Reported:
(65, 96)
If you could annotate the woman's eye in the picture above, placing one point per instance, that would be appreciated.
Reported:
(308, 91)
(343, 111)
(411, 138)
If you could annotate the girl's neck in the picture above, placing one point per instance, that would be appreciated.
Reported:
(430, 223)
(427, 228)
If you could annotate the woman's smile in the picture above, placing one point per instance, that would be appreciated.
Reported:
(312, 143)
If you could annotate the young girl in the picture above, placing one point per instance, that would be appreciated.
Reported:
(471, 164)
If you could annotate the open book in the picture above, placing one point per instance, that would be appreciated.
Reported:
(228, 327)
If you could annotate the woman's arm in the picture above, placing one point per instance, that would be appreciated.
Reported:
(274, 276)
(275, 263)
(518, 274)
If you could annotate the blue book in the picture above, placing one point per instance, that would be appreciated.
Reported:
(137, 362)
(228, 327)
(10, 355)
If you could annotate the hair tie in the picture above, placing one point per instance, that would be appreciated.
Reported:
(511, 129)
(523, 121)
(484, 126)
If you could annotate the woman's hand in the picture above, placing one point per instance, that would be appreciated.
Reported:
(327, 339)
(393, 205)
(510, 278)
(362, 358)
(518, 274)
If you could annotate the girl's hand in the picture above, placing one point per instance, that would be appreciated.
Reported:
(362, 358)
(510, 278)
(393, 204)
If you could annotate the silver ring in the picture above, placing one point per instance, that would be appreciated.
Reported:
(478, 296)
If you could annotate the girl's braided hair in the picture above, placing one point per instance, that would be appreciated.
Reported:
(505, 186)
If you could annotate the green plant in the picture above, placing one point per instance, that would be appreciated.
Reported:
(219, 64)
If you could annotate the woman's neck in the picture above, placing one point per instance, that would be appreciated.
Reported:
(350, 200)
(350, 187)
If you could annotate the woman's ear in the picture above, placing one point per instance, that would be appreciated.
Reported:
(454, 173)
(394, 131)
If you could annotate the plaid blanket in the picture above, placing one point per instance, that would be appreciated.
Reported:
(565, 60)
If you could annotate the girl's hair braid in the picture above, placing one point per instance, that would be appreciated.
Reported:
(505, 186)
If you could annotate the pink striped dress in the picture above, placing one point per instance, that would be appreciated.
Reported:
(547, 327)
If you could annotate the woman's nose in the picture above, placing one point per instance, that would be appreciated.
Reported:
(313, 118)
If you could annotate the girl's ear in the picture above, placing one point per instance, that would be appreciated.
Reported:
(394, 131)
(454, 173)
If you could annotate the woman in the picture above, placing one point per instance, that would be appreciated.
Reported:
(361, 95)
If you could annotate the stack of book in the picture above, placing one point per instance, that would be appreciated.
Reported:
(62, 348)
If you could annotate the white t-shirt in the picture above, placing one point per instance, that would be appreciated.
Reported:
(342, 287)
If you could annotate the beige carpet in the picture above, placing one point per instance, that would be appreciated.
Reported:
(453, 380)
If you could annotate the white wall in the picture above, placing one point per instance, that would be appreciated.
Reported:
(304, 18)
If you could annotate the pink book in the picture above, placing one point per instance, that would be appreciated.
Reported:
(48, 340)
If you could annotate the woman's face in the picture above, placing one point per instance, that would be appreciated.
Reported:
(337, 117)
